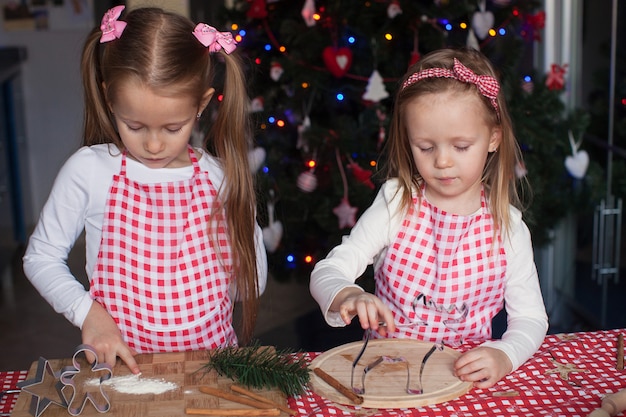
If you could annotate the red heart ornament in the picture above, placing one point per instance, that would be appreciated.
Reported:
(337, 60)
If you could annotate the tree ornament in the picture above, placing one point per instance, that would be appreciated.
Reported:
(375, 89)
(307, 181)
(302, 143)
(528, 86)
(482, 20)
(534, 24)
(556, 77)
(257, 10)
(382, 116)
(344, 211)
(472, 41)
(337, 60)
(257, 104)
(308, 11)
(577, 163)
(276, 71)
(394, 9)
(520, 169)
(256, 157)
(273, 233)
(361, 175)
(346, 214)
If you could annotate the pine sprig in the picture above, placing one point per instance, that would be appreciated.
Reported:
(261, 367)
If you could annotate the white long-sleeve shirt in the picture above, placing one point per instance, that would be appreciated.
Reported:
(367, 244)
(76, 203)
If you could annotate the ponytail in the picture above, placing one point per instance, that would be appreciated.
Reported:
(230, 137)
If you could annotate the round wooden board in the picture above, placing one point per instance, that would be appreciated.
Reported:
(385, 385)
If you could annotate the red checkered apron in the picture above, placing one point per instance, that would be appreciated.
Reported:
(443, 277)
(157, 273)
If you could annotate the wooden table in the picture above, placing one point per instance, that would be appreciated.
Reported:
(568, 376)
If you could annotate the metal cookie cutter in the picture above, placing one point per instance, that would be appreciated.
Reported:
(78, 398)
(41, 387)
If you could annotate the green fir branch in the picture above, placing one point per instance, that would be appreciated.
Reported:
(261, 367)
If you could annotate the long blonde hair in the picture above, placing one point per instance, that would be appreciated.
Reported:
(158, 49)
(499, 177)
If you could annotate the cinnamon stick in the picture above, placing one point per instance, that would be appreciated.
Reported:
(620, 352)
(261, 398)
(235, 398)
(342, 389)
(232, 412)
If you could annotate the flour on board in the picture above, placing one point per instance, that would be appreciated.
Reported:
(134, 384)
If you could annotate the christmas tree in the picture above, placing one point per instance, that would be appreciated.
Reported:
(323, 78)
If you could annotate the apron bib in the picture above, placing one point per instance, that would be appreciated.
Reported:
(443, 276)
(157, 273)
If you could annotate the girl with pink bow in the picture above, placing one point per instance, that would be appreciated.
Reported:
(445, 232)
(171, 234)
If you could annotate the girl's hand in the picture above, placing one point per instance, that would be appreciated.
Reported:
(372, 312)
(484, 366)
(101, 332)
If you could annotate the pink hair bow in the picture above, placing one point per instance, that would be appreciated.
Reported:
(214, 40)
(487, 85)
(110, 26)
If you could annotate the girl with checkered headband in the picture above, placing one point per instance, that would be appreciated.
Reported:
(171, 235)
(445, 232)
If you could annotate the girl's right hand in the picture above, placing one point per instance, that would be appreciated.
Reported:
(101, 332)
(372, 312)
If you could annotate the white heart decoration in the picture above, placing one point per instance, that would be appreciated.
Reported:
(256, 157)
(273, 233)
(482, 21)
(342, 61)
(577, 164)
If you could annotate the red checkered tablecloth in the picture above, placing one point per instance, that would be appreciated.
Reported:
(535, 389)
(8, 381)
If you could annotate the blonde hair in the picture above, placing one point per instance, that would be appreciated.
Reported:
(499, 177)
(158, 50)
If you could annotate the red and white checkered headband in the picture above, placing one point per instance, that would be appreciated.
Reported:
(487, 85)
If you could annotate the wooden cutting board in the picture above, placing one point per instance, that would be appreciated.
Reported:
(178, 368)
(385, 384)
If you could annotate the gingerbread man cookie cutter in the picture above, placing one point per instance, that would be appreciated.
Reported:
(73, 379)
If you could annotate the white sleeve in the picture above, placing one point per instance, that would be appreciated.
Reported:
(60, 223)
(527, 321)
(369, 237)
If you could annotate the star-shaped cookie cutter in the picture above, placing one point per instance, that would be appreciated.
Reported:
(39, 402)
(78, 398)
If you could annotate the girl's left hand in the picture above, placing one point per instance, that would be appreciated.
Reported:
(484, 366)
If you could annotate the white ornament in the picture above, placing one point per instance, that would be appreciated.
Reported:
(256, 105)
(308, 10)
(482, 20)
(577, 163)
(256, 157)
(394, 9)
(302, 143)
(276, 71)
(375, 90)
(472, 42)
(273, 233)
(346, 214)
(307, 181)
(520, 170)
